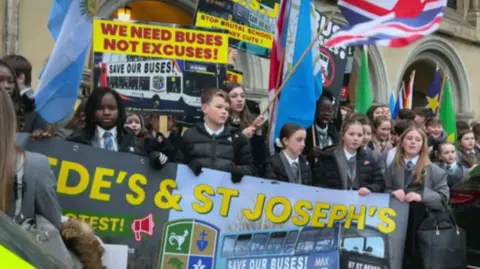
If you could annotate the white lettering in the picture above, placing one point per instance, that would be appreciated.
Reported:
(322, 261)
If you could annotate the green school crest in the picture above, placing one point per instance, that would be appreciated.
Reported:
(188, 244)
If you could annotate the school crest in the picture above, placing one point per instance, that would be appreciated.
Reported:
(188, 244)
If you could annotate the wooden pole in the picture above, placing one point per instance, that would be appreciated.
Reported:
(297, 64)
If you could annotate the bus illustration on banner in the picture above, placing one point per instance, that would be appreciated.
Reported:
(151, 82)
(304, 248)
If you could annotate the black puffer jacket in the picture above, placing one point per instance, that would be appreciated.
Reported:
(229, 151)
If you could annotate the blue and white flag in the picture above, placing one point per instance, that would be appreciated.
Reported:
(71, 26)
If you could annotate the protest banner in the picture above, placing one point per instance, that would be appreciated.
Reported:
(250, 24)
(172, 219)
(333, 60)
(159, 41)
(234, 76)
(155, 82)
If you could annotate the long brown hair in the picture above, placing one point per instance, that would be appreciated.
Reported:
(423, 159)
(246, 117)
(8, 149)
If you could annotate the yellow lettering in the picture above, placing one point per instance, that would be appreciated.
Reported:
(114, 222)
(93, 221)
(206, 204)
(359, 218)
(338, 212)
(138, 195)
(83, 218)
(227, 195)
(63, 175)
(164, 199)
(70, 215)
(319, 214)
(52, 161)
(302, 216)
(99, 184)
(256, 214)
(385, 215)
(103, 226)
(285, 213)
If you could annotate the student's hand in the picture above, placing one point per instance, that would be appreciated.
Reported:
(258, 121)
(413, 197)
(363, 191)
(237, 175)
(40, 134)
(160, 139)
(473, 167)
(249, 131)
(399, 194)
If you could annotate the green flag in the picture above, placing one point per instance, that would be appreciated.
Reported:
(363, 100)
(447, 113)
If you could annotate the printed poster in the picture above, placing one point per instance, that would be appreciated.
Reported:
(158, 69)
(250, 23)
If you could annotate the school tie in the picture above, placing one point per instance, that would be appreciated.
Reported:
(295, 169)
(409, 166)
(108, 144)
(449, 168)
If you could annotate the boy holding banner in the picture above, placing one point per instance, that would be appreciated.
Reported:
(213, 144)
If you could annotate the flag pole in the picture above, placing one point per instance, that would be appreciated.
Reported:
(440, 96)
(297, 64)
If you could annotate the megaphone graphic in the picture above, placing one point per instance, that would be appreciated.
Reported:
(144, 225)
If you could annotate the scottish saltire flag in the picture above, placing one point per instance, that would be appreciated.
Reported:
(432, 99)
(392, 23)
(71, 26)
(297, 100)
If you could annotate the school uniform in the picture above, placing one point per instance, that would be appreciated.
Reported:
(321, 138)
(467, 158)
(113, 140)
(457, 173)
(338, 169)
(283, 168)
(434, 192)
(380, 146)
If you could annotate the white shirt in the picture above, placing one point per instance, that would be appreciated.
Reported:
(414, 160)
(290, 160)
(99, 137)
(321, 130)
(453, 166)
(212, 132)
(349, 155)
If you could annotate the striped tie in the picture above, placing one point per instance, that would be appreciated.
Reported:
(108, 144)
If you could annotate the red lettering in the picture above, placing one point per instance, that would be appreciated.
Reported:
(200, 38)
(209, 40)
(145, 47)
(156, 48)
(166, 35)
(134, 45)
(190, 52)
(179, 36)
(123, 30)
(168, 50)
(108, 29)
(147, 33)
(136, 32)
(218, 40)
(122, 45)
(109, 44)
(207, 54)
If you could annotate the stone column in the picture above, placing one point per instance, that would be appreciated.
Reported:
(11, 27)
(473, 14)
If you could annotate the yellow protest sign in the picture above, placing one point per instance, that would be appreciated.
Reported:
(159, 41)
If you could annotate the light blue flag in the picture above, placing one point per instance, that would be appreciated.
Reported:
(301, 92)
(57, 92)
(391, 101)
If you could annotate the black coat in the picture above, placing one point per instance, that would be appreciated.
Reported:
(229, 151)
(309, 151)
(275, 169)
(328, 171)
(127, 142)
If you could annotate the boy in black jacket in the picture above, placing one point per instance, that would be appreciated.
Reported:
(213, 144)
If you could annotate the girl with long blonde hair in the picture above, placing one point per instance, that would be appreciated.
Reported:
(412, 178)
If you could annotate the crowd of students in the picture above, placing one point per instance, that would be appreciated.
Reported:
(408, 158)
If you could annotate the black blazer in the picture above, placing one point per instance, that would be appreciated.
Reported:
(275, 169)
(330, 170)
(309, 151)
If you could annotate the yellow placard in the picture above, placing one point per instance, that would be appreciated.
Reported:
(233, 76)
(235, 30)
(159, 41)
(11, 260)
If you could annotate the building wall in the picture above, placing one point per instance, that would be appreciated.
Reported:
(35, 42)
(2, 19)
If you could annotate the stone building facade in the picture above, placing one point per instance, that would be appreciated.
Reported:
(455, 48)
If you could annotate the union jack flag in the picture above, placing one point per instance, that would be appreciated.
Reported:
(392, 23)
